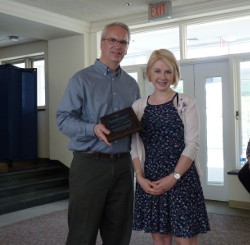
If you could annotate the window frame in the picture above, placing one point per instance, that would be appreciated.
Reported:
(232, 57)
(28, 62)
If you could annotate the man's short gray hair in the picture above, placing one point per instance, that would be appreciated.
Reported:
(120, 24)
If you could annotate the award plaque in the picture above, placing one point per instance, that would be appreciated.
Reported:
(121, 123)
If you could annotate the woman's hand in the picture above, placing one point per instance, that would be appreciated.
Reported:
(164, 184)
(148, 186)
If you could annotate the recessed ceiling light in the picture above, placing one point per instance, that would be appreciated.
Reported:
(13, 38)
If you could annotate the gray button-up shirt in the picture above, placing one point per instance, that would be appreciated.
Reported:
(92, 93)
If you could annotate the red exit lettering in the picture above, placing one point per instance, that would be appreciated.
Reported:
(157, 11)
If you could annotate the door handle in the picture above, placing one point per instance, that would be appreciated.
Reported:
(237, 115)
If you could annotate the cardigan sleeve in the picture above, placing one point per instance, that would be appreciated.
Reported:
(191, 120)
(137, 147)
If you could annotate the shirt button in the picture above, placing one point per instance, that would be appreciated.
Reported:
(114, 93)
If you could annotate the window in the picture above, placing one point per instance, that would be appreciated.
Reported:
(21, 64)
(134, 75)
(143, 44)
(215, 160)
(211, 38)
(179, 88)
(38, 63)
(218, 38)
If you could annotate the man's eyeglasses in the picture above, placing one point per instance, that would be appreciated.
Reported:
(115, 41)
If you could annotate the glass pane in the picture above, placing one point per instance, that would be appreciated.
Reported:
(143, 44)
(149, 88)
(39, 64)
(215, 160)
(245, 108)
(179, 88)
(134, 75)
(20, 65)
(218, 38)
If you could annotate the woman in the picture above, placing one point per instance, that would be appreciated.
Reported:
(169, 200)
(244, 172)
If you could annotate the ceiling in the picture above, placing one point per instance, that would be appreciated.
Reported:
(96, 10)
(83, 10)
(14, 22)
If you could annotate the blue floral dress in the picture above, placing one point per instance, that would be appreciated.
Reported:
(180, 211)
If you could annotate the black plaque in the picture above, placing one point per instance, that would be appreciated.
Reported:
(121, 123)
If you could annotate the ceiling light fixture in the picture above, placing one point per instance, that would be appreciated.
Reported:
(13, 38)
(128, 4)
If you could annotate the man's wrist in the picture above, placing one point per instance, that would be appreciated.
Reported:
(90, 129)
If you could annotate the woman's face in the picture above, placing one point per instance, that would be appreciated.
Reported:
(162, 75)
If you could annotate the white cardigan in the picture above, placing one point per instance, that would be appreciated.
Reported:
(188, 112)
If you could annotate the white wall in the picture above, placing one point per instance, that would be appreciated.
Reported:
(65, 57)
(238, 195)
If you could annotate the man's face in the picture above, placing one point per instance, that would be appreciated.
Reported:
(114, 46)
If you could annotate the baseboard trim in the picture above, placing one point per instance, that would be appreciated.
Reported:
(239, 204)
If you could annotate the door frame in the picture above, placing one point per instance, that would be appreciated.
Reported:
(199, 71)
(213, 192)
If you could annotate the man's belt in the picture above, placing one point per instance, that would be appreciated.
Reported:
(106, 155)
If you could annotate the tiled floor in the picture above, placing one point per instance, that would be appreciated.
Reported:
(5, 219)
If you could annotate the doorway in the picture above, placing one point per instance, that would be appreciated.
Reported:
(209, 83)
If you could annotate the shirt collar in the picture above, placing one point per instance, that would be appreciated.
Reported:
(105, 70)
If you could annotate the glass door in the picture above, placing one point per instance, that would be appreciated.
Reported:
(243, 113)
(209, 84)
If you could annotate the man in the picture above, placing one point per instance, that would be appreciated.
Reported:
(101, 176)
(244, 172)
(248, 153)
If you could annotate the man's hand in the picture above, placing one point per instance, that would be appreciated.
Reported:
(101, 132)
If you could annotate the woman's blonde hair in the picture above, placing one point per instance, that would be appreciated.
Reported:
(168, 58)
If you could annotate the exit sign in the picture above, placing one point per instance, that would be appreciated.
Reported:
(161, 10)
